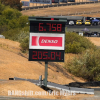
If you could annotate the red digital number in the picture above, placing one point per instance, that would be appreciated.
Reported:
(52, 53)
(49, 26)
(39, 54)
(58, 55)
(54, 28)
(34, 56)
(59, 27)
(44, 54)
(40, 27)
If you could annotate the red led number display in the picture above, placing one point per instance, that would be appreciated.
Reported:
(44, 55)
(52, 27)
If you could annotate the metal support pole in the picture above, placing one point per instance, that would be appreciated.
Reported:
(46, 73)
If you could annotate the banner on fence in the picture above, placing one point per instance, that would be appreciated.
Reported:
(25, 3)
(41, 1)
(55, 1)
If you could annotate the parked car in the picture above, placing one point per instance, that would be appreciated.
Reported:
(78, 22)
(92, 34)
(87, 34)
(71, 23)
(87, 22)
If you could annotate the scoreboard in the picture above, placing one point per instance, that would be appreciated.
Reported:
(48, 27)
(47, 39)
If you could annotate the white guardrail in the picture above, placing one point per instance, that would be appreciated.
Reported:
(59, 87)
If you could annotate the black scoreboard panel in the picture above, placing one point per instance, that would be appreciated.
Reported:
(46, 55)
(47, 27)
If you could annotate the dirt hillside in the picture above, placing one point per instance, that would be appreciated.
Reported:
(12, 64)
(95, 40)
(63, 10)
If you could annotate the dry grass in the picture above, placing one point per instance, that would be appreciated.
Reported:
(64, 10)
(5, 86)
(95, 40)
(23, 86)
(14, 65)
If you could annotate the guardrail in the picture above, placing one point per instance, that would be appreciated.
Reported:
(76, 13)
(58, 86)
(58, 5)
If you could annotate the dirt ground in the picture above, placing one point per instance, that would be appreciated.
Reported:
(63, 10)
(95, 40)
(12, 64)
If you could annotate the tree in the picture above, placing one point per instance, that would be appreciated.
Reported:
(2, 7)
(12, 3)
(10, 13)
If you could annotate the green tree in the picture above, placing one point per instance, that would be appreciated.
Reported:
(3, 20)
(23, 21)
(13, 24)
(10, 13)
(2, 7)
(12, 3)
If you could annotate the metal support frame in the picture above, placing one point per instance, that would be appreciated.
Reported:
(46, 74)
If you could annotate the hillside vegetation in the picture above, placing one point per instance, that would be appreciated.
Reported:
(12, 3)
(15, 26)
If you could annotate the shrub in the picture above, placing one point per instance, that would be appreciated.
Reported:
(75, 47)
(86, 65)
(23, 21)
(13, 24)
(10, 13)
(12, 34)
(12, 3)
(17, 34)
(2, 7)
(3, 28)
(23, 34)
(76, 44)
(3, 20)
(25, 44)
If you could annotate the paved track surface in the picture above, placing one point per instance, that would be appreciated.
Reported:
(81, 27)
(20, 98)
(97, 92)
